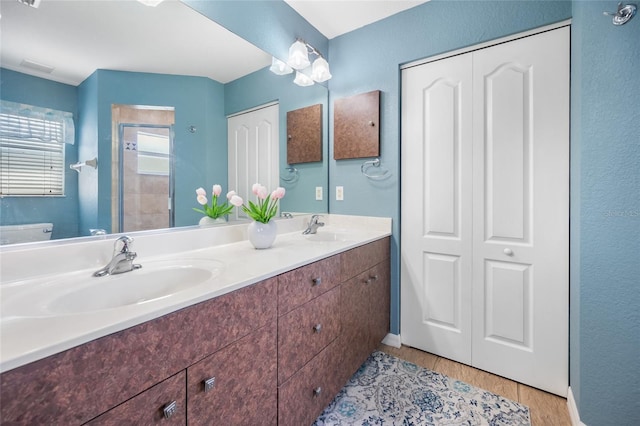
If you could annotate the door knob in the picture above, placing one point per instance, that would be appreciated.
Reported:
(508, 252)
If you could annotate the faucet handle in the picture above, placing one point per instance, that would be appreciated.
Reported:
(126, 242)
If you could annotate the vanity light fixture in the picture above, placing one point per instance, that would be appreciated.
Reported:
(306, 73)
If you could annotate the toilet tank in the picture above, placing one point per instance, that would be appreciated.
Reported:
(27, 233)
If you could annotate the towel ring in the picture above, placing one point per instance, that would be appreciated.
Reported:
(374, 163)
(292, 176)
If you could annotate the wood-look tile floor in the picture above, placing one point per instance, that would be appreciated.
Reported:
(545, 409)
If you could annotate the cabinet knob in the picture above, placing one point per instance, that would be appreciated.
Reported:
(317, 391)
(317, 281)
(209, 384)
(170, 409)
(373, 277)
(317, 328)
(367, 281)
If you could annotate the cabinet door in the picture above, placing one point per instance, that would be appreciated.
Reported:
(153, 406)
(241, 387)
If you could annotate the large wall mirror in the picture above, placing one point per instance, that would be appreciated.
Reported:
(200, 96)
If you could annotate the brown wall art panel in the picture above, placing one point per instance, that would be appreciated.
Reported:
(304, 135)
(356, 126)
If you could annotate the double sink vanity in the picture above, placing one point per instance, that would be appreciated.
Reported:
(208, 331)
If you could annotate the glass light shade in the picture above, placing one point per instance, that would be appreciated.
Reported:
(302, 79)
(152, 3)
(298, 56)
(280, 68)
(320, 70)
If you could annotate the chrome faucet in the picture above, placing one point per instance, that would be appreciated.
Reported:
(314, 224)
(122, 260)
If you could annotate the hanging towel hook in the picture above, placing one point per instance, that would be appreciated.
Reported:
(78, 166)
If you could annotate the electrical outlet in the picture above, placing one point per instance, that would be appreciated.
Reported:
(339, 193)
(318, 193)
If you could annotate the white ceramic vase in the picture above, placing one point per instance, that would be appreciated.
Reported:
(262, 235)
(208, 221)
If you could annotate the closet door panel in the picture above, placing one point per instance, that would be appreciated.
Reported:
(521, 210)
(436, 208)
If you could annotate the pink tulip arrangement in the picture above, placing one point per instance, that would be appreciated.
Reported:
(267, 206)
(216, 210)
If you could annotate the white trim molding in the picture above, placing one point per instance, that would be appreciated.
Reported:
(573, 410)
(392, 340)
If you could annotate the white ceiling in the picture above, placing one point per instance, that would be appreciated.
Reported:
(336, 17)
(77, 37)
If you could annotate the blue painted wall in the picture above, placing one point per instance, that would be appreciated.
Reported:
(200, 157)
(61, 211)
(605, 219)
(262, 87)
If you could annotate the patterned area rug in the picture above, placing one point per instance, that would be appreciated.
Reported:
(389, 391)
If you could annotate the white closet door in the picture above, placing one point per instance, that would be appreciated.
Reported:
(436, 207)
(485, 194)
(521, 210)
(253, 152)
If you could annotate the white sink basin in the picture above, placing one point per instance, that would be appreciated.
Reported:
(329, 235)
(80, 292)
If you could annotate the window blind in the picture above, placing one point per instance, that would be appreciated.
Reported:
(31, 155)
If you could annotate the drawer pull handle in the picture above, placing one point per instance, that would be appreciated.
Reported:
(317, 281)
(170, 409)
(317, 391)
(367, 281)
(317, 328)
(209, 384)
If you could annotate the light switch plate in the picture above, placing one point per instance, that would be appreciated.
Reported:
(339, 193)
(318, 193)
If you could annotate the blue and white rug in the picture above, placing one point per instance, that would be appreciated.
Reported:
(389, 391)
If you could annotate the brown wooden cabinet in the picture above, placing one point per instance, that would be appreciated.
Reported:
(276, 352)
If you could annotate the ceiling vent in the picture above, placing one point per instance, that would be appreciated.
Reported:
(36, 66)
(32, 3)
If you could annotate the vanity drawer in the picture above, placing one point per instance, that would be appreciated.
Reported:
(305, 395)
(305, 331)
(151, 406)
(241, 385)
(303, 284)
(359, 259)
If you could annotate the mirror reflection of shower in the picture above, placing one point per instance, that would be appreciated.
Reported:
(144, 173)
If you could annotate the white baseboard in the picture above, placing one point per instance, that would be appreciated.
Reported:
(392, 340)
(573, 410)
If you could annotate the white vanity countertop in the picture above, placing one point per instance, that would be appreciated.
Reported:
(27, 338)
